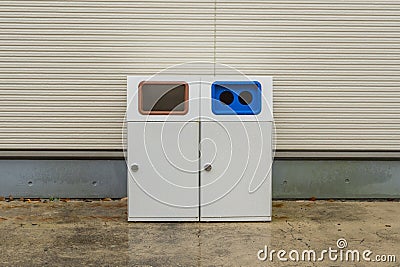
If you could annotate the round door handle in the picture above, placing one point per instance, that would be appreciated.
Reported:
(134, 167)
(207, 167)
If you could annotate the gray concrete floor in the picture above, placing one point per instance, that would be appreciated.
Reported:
(78, 233)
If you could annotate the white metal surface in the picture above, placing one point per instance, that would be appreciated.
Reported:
(165, 185)
(239, 182)
(166, 181)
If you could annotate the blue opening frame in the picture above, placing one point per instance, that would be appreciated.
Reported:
(236, 97)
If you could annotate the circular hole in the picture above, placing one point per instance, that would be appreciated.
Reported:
(285, 182)
(94, 183)
(245, 98)
(347, 181)
(30, 183)
(226, 97)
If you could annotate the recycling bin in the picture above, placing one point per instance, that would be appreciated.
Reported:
(199, 148)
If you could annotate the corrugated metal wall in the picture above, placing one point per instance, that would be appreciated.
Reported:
(336, 65)
(63, 66)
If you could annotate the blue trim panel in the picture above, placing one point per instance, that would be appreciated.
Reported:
(233, 104)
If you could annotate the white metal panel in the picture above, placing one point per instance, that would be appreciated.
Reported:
(63, 64)
(166, 182)
(336, 67)
(239, 182)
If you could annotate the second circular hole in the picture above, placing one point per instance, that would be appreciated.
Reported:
(245, 98)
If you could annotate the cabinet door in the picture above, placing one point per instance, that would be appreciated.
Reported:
(236, 179)
(163, 178)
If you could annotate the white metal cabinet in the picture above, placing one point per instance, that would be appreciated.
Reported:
(209, 160)
(164, 186)
(237, 186)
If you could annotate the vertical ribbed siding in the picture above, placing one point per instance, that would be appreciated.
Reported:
(335, 66)
(63, 66)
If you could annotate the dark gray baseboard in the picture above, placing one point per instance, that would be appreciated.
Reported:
(63, 178)
(99, 178)
(336, 179)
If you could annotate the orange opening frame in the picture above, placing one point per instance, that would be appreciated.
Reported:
(155, 112)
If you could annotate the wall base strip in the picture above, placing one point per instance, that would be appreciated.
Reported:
(292, 179)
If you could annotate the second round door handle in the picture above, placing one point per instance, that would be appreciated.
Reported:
(207, 167)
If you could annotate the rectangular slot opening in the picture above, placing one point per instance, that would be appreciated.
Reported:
(163, 97)
(236, 97)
